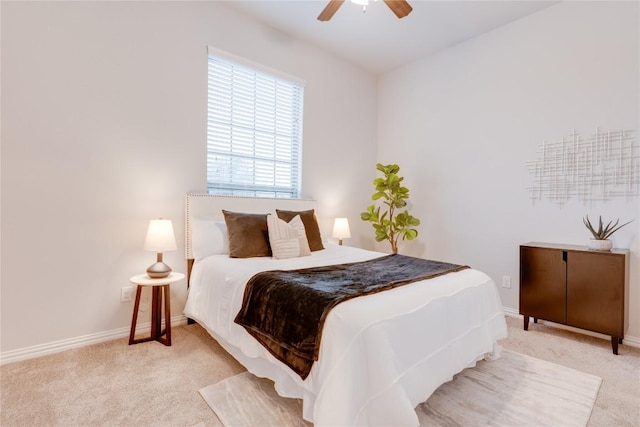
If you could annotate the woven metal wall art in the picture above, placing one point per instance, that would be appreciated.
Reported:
(593, 168)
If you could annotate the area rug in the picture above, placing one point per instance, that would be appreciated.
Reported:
(515, 390)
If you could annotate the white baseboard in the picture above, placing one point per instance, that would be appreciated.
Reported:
(67, 344)
(629, 340)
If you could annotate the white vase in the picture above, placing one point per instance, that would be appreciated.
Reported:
(599, 245)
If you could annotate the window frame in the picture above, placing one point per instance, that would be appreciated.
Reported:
(285, 173)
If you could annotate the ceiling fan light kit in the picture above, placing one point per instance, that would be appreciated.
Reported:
(363, 3)
(400, 8)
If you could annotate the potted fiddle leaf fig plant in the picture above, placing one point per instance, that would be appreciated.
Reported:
(390, 224)
(600, 241)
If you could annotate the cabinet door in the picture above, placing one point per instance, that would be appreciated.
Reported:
(595, 292)
(543, 283)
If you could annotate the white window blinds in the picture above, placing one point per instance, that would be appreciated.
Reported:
(254, 131)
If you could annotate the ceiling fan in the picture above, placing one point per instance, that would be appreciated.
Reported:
(400, 7)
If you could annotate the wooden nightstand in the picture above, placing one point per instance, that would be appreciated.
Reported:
(159, 287)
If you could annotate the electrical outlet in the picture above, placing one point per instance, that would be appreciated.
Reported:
(506, 281)
(126, 293)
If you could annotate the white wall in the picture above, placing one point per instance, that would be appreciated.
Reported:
(104, 128)
(462, 124)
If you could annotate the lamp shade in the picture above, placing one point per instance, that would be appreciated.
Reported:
(160, 237)
(341, 229)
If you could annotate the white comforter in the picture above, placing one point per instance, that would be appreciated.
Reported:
(380, 355)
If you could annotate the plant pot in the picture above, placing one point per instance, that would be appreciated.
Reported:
(599, 245)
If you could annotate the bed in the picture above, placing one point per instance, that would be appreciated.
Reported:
(380, 354)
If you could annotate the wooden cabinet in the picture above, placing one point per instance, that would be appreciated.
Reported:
(575, 286)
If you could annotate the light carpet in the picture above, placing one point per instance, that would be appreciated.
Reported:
(515, 390)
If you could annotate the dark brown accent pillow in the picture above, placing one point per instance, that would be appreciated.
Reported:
(248, 234)
(310, 226)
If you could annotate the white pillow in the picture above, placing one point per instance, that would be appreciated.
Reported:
(286, 239)
(208, 237)
(297, 224)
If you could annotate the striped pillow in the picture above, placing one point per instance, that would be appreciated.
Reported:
(297, 224)
(287, 240)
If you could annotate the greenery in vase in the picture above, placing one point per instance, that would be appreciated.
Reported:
(603, 232)
(391, 225)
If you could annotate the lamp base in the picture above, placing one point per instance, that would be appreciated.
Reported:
(158, 270)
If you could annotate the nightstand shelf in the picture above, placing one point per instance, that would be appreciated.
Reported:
(160, 291)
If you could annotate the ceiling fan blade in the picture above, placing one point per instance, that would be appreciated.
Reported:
(329, 10)
(400, 7)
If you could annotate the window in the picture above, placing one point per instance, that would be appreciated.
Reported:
(254, 129)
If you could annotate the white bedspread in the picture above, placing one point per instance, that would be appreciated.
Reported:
(380, 355)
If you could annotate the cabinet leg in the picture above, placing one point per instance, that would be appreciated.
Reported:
(614, 344)
(526, 322)
(535, 320)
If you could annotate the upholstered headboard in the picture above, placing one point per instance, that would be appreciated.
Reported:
(207, 206)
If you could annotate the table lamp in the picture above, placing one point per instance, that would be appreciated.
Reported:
(341, 229)
(160, 238)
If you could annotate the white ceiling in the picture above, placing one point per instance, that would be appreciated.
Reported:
(377, 40)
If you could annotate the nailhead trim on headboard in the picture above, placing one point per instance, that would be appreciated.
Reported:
(210, 206)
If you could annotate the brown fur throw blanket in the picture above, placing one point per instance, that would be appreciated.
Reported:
(286, 309)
